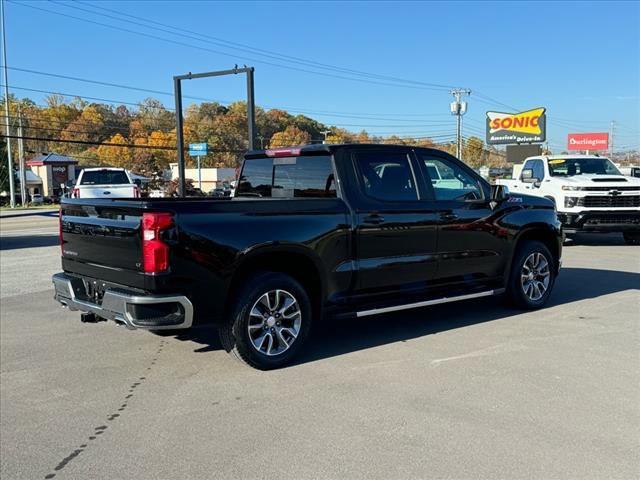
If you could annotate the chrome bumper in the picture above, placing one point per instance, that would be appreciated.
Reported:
(121, 305)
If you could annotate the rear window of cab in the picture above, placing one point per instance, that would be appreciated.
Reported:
(104, 177)
(288, 177)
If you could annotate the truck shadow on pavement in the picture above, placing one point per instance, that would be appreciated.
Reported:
(28, 241)
(594, 239)
(43, 213)
(338, 337)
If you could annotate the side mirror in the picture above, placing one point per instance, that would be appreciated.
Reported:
(499, 193)
(527, 175)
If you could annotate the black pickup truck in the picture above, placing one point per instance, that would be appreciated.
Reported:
(339, 230)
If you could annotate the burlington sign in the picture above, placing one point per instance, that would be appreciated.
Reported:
(514, 128)
(588, 141)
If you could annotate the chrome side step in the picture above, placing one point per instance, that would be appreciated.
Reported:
(426, 303)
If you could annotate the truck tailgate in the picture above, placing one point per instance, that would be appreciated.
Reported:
(103, 236)
(107, 191)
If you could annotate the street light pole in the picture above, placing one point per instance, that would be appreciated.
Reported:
(325, 133)
(12, 188)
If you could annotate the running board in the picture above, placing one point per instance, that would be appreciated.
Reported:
(426, 303)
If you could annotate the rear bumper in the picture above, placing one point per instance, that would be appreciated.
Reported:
(600, 221)
(133, 309)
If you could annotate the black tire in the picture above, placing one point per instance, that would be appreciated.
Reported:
(234, 333)
(631, 238)
(519, 293)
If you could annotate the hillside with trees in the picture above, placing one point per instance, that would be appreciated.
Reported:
(143, 138)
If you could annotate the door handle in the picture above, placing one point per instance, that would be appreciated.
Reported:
(374, 219)
(448, 216)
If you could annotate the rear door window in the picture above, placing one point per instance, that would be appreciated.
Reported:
(386, 176)
(288, 177)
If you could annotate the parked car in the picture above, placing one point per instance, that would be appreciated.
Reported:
(590, 193)
(105, 183)
(311, 232)
(37, 199)
(222, 189)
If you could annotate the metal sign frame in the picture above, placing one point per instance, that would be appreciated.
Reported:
(177, 89)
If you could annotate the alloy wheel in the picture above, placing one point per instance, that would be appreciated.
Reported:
(535, 276)
(274, 322)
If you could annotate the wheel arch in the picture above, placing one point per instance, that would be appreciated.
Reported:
(299, 262)
(542, 233)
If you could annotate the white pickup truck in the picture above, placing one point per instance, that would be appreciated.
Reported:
(590, 193)
(105, 183)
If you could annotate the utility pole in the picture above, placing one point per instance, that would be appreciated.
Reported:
(22, 174)
(12, 188)
(459, 108)
(613, 131)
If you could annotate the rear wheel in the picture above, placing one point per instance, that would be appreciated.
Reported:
(269, 322)
(532, 276)
(631, 238)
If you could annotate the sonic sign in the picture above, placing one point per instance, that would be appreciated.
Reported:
(514, 128)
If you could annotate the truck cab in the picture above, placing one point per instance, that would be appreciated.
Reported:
(105, 183)
(589, 192)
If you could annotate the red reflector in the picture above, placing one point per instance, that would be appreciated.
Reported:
(155, 253)
(283, 152)
(76, 193)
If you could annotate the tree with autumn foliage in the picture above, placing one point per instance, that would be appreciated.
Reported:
(116, 154)
(87, 131)
(291, 135)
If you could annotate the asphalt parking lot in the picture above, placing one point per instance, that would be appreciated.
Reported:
(469, 390)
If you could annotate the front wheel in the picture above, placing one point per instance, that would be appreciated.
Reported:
(631, 238)
(269, 322)
(532, 276)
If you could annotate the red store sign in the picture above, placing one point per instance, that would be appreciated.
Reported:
(588, 141)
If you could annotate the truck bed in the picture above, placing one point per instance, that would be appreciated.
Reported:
(102, 239)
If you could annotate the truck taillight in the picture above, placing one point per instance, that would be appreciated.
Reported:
(76, 193)
(136, 192)
(155, 253)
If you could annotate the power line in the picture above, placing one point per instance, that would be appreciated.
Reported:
(251, 59)
(363, 115)
(66, 130)
(105, 144)
(246, 48)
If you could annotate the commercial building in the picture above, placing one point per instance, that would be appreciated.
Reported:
(210, 176)
(53, 171)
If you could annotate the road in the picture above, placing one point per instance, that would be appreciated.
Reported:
(469, 390)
